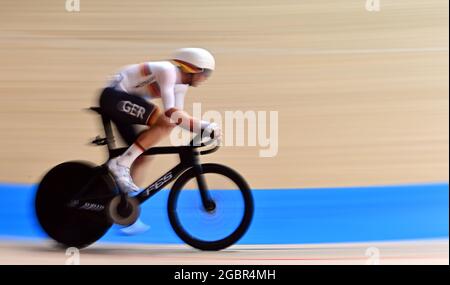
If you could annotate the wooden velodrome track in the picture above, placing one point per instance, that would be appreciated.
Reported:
(362, 97)
(429, 252)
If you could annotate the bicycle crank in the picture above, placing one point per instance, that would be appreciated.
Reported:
(123, 210)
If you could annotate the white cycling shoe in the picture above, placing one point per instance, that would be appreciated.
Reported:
(125, 182)
(122, 176)
(134, 229)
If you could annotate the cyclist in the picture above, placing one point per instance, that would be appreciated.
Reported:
(127, 101)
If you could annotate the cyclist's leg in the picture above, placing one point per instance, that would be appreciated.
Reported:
(125, 110)
(148, 138)
(129, 134)
(157, 131)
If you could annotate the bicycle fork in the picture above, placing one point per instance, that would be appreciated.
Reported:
(208, 203)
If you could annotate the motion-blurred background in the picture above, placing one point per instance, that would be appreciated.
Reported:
(362, 98)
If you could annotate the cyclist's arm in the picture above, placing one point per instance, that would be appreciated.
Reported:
(180, 94)
(186, 121)
(178, 113)
(173, 104)
(180, 117)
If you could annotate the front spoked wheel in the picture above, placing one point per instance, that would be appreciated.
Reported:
(217, 227)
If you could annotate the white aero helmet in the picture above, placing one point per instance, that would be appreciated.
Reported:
(194, 60)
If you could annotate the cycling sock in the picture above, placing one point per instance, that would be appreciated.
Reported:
(127, 158)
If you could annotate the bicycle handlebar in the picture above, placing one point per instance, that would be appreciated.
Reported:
(197, 141)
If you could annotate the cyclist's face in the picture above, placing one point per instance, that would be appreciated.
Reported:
(199, 78)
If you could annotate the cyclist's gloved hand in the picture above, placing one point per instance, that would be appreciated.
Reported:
(212, 131)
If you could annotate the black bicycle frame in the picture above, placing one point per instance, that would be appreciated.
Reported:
(188, 159)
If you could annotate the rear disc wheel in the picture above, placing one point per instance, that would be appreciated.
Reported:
(57, 198)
